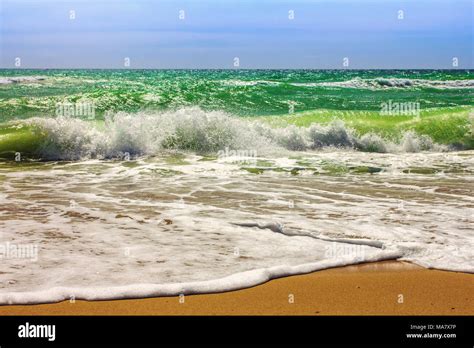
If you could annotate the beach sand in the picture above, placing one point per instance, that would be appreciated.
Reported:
(381, 288)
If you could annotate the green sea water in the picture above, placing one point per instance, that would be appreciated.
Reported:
(240, 92)
(443, 99)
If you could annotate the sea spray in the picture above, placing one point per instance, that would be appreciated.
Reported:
(203, 132)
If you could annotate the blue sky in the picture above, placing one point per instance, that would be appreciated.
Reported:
(258, 32)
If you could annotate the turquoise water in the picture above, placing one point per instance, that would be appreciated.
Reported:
(239, 92)
(206, 111)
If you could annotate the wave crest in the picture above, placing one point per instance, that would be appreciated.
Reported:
(382, 83)
(192, 129)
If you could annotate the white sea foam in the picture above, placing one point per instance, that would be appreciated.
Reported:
(248, 83)
(357, 82)
(154, 227)
(195, 130)
(383, 83)
(20, 79)
(232, 282)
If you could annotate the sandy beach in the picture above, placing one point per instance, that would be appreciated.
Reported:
(381, 288)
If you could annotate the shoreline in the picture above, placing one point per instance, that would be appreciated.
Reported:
(377, 288)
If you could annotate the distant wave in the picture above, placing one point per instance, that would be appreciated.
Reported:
(381, 83)
(20, 79)
(377, 83)
(248, 83)
(356, 82)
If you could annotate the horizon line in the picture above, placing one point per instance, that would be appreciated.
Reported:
(245, 69)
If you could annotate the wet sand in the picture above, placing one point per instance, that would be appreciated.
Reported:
(381, 288)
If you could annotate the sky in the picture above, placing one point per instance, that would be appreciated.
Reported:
(261, 34)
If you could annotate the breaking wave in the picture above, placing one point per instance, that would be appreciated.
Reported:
(195, 130)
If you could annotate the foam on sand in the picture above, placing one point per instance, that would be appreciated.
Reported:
(188, 224)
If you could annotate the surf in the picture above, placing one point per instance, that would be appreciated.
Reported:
(198, 131)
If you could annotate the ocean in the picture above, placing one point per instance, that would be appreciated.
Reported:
(140, 183)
